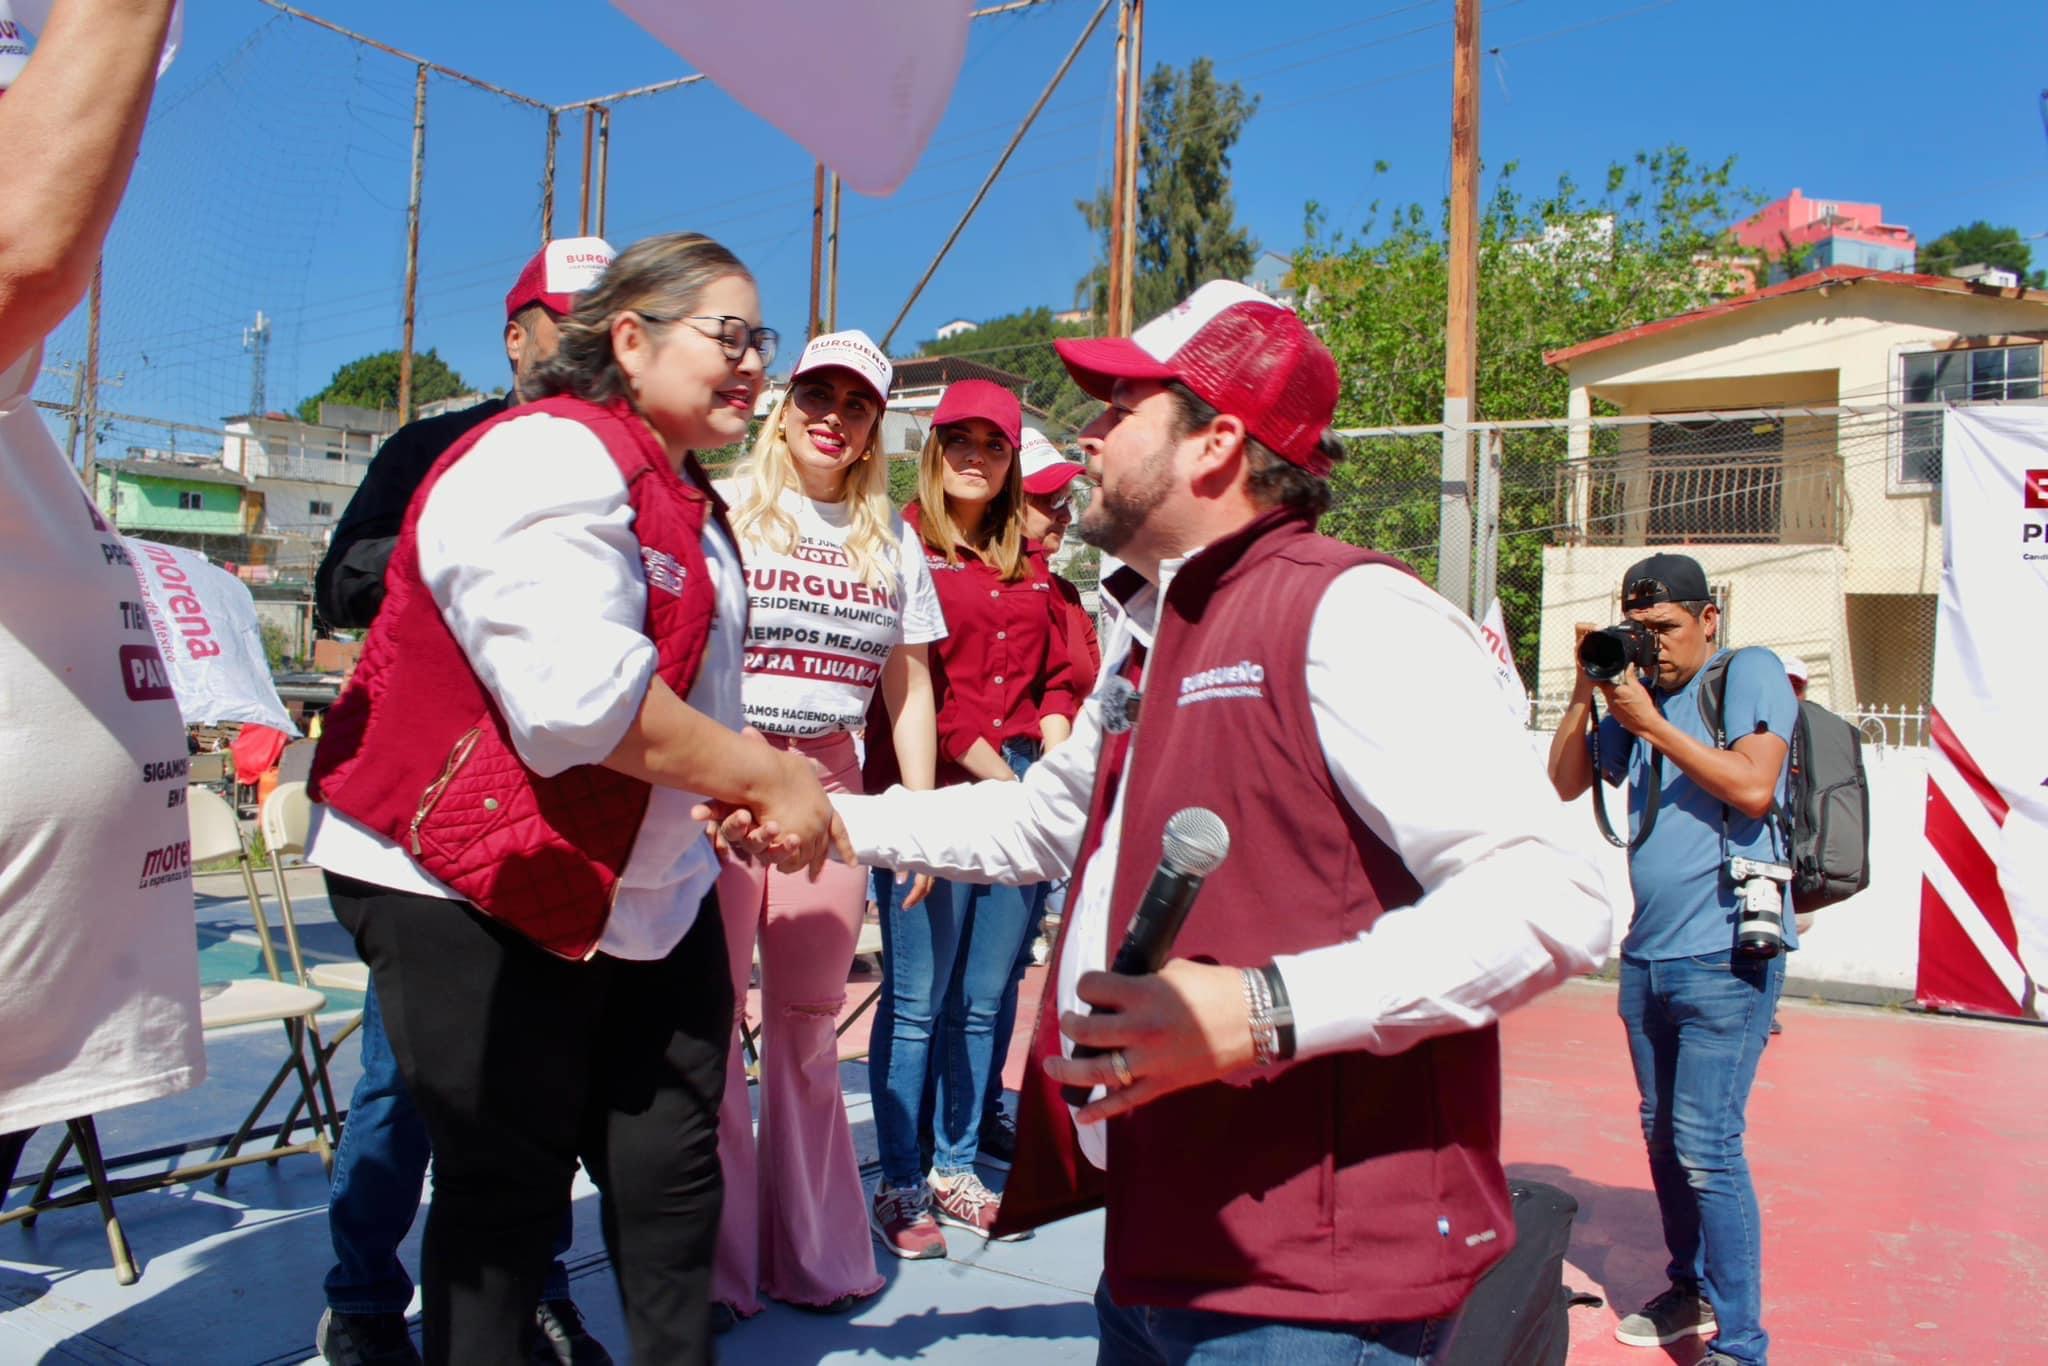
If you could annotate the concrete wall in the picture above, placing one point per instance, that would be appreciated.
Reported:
(1787, 597)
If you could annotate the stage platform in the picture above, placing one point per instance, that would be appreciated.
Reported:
(1899, 1159)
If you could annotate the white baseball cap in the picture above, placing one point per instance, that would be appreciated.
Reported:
(558, 272)
(854, 351)
(1045, 470)
(1795, 667)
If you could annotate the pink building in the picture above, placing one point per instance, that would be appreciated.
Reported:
(1840, 233)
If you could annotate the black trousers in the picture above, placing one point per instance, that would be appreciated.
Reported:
(522, 1063)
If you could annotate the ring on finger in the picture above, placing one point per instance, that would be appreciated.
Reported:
(1121, 1067)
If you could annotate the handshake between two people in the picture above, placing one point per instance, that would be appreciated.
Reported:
(791, 826)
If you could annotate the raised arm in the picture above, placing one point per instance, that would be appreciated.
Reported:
(70, 126)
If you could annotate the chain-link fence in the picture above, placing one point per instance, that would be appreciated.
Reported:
(1816, 538)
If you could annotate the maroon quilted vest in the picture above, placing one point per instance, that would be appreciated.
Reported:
(417, 749)
(1351, 1187)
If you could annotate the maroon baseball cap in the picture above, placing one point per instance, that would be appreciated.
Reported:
(985, 399)
(1241, 352)
(557, 273)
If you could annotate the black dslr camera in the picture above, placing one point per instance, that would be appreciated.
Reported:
(1605, 653)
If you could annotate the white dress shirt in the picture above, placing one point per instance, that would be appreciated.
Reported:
(1409, 714)
(527, 546)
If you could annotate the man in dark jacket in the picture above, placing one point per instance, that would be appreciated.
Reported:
(349, 587)
(382, 1161)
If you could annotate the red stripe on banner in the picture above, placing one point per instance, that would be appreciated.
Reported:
(1952, 973)
(1972, 865)
(1952, 746)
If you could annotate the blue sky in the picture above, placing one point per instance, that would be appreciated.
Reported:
(274, 175)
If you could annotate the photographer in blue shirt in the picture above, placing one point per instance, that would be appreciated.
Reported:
(1704, 960)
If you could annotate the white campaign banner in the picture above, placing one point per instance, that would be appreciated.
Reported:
(867, 111)
(1984, 896)
(206, 629)
(1493, 629)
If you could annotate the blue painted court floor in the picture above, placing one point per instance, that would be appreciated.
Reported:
(233, 1275)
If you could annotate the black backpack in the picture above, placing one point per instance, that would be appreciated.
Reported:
(1827, 827)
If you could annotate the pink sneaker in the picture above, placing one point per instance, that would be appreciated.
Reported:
(962, 1202)
(902, 1219)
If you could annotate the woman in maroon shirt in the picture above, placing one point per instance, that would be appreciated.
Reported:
(1004, 687)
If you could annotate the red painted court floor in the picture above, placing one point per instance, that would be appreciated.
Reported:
(1901, 1161)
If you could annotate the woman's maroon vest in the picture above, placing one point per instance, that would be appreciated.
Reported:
(417, 750)
(1351, 1187)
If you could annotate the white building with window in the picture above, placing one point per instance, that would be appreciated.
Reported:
(306, 473)
(1774, 438)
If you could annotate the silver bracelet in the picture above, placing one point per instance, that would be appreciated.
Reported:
(1258, 1003)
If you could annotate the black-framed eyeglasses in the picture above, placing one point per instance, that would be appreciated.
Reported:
(735, 336)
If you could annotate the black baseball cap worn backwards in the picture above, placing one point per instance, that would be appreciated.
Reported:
(1663, 578)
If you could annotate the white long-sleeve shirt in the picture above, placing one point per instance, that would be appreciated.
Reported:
(527, 546)
(1408, 711)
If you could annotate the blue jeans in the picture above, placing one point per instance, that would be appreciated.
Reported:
(380, 1167)
(1696, 1030)
(952, 958)
(1143, 1336)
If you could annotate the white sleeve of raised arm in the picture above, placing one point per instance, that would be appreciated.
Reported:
(527, 545)
(1417, 737)
(1016, 833)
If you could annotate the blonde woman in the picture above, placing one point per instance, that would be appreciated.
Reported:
(841, 607)
(1005, 690)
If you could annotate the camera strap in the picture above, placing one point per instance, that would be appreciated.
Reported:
(1652, 798)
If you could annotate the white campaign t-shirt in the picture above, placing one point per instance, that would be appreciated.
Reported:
(99, 966)
(817, 633)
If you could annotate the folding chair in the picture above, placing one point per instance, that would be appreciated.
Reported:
(216, 834)
(284, 821)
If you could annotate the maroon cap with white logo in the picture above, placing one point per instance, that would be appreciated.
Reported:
(1241, 352)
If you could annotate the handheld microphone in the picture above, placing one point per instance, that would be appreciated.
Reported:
(1194, 845)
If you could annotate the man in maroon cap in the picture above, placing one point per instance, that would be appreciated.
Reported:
(382, 1160)
(1295, 1124)
(349, 586)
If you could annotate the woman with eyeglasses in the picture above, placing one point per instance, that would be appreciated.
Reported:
(506, 787)
(843, 613)
(1005, 690)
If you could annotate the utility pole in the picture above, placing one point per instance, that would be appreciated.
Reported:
(412, 243)
(1134, 106)
(832, 262)
(89, 405)
(815, 317)
(1454, 503)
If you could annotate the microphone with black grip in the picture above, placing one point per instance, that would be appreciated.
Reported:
(1195, 843)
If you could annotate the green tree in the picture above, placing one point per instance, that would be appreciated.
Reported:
(372, 382)
(1021, 343)
(1554, 270)
(1979, 243)
(277, 645)
(1187, 220)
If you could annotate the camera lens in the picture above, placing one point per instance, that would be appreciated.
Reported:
(1603, 655)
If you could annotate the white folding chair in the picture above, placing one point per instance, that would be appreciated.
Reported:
(216, 834)
(254, 1000)
(284, 821)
